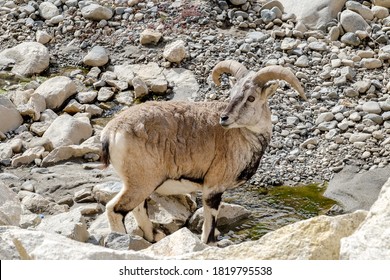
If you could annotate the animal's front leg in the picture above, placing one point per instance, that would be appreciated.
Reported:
(211, 203)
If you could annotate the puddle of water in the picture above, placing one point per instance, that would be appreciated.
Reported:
(275, 207)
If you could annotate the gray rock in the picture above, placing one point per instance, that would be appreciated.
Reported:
(105, 93)
(186, 85)
(119, 241)
(324, 117)
(351, 39)
(352, 22)
(359, 137)
(104, 192)
(357, 190)
(370, 63)
(362, 10)
(372, 107)
(86, 96)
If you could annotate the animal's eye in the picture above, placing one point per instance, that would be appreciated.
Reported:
(251, 98)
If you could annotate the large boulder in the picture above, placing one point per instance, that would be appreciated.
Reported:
(56, 90)
(17, 243)
(372, 239)
(10, 207)
(10, 116)
(355, 190)
(67, 130)
(352, 21)
(314, 14)
(26, 59)
(317, 238)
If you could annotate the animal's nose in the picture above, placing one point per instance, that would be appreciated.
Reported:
(224, 118)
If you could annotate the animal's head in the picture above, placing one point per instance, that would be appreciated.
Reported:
(248, 106)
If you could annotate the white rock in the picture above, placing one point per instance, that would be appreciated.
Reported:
(179, 243)
(324, 117)
(48, 10)
(34, 107)
(317, 238)
(28, 156)
(105, 93)
(10, 116)
(96, 12)
(42, 37)
(10, 207)
(97, 56)
(27, 58)
(380, 12)
(104, 192)
(150, 36)
(185, 83)
(39, 245)
(372, 239)
(314, 14)
(140, 87)
(175, 51)
(86, 96)
(359, 137)
(68, 130)
(370, 63)
(70, 224)
(56, 90)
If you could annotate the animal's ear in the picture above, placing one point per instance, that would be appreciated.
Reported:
(269, 89)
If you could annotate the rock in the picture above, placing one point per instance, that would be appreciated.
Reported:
(42, 36)
(29, 156)
(179, 243)
(318, 46)
(238, 2)
(34, 107)
(19, 243)
(26, 59)
(317, 238)
(380, 12)
(86, 96)
(352, 22)
(104, 192)
(372, 107)
(96, 12)
(383, 3)
(324, 117)
(66, 152)
(170, 212)
(149, 36)
(73, 107)
(140, 87)
(302, 61)
(362, 10)
(175, 51)
(356, 190)
(119, 241)
(10, 116)
(371, 63)
(105, 93)
(48, 10)
(10, 207)
(351, 39)
(359, 137)
(70, 224)
(34, 202)
(289, 43)
(67, 130)
(229, 214)
(56, 90)
(97, 56)
(314, 14)
(186, 85)
(370, 239)
(362, 86)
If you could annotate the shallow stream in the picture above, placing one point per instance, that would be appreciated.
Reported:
(275, 207)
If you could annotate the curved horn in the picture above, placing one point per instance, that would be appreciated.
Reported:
(232, 67)
(277, 72)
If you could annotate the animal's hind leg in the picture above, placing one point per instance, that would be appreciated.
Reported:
(145, 224)
(118, 207)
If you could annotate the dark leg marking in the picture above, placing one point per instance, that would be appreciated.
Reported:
(211, 237)
(214, 200)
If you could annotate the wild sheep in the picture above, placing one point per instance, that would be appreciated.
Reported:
(181, 147)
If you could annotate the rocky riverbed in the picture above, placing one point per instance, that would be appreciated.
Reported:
(68, 66)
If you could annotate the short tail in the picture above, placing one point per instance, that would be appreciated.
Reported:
(105, 154)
